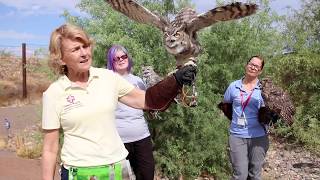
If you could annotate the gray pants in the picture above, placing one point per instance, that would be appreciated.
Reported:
(247, 156)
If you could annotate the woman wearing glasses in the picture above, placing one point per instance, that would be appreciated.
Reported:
(248, 140)
(131, 124)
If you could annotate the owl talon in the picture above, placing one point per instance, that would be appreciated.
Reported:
(191, 61)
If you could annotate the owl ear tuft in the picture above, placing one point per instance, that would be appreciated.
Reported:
(182, 27)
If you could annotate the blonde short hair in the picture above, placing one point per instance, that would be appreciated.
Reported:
(66, 31)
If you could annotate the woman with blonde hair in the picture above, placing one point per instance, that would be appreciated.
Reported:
(82, 103)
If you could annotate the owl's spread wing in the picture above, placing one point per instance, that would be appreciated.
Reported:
(224, 13)
(137, 12)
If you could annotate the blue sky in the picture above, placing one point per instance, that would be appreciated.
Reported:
(32, 21)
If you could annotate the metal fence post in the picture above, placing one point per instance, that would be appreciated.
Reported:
(24, 71)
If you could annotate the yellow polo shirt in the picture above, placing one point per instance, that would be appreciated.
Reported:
(87, 117)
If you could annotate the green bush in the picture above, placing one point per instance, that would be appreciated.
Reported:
(191, 141)
(300, 75)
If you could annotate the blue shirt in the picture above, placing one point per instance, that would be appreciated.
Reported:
(232, 95)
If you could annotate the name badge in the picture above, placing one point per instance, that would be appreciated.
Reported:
(241, 121)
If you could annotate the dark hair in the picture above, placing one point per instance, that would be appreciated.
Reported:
(259, 57)
(111, 55)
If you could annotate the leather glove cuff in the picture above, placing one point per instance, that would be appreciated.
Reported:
(160, 96)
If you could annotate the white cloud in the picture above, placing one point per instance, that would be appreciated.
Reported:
(33, 7)
(10, 34)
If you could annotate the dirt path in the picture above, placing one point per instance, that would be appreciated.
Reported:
(13, 167)
(19, 117)
(16, 168)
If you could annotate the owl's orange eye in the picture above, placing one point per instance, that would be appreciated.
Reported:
(177, 34)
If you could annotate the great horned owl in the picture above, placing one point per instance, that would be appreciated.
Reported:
(150, 77)
(180, 35)
(277, 100)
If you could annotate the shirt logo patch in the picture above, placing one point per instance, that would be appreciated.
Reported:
(72, 103)
(71, 99)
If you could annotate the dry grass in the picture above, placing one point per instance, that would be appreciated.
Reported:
(11, 80)
(29, 146)
(3, 142)
(28, 143)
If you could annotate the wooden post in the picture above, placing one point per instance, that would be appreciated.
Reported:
(24, 71)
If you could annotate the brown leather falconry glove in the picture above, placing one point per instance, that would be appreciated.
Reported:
(160, 96)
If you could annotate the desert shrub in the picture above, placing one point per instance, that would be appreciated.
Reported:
(299, 74)
(29, 144)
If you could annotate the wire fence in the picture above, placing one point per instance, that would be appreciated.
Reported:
(18, 62)
(32, 50)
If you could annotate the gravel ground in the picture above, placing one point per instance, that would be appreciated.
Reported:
(286, 162)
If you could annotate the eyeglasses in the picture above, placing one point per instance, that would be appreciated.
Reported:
(254, 66)
(118, 59)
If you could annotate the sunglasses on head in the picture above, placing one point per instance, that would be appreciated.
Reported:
(121, 57)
